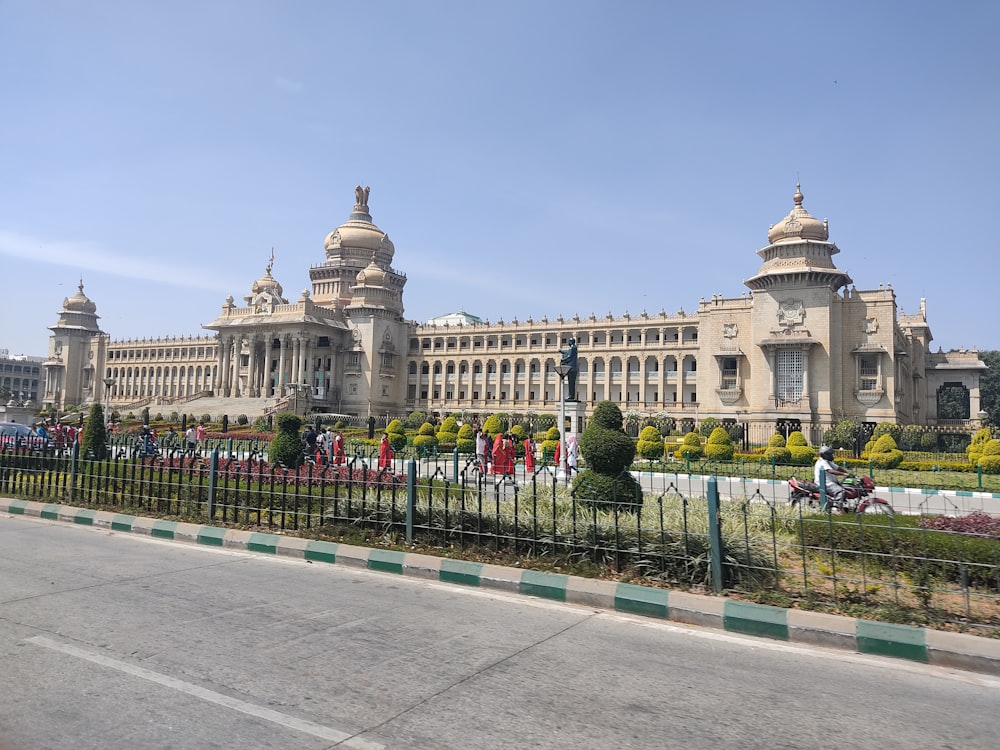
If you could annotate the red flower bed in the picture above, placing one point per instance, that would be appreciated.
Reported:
(976, 523)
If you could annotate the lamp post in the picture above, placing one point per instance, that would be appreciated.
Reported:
(108, 382)
(563, 371)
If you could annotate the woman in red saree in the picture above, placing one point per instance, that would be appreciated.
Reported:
(385, 453)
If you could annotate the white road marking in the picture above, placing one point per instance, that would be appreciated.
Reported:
(276, 717)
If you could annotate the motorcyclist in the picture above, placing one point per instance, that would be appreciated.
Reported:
(834, 490)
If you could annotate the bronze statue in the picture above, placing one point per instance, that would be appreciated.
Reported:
(569, 358)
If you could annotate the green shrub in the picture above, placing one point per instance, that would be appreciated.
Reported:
(979, 440)
(719, 446)
(450, 424)
(242, 419)
(799, 451)
(650, 444)
(426, 429)
(884, 454)
(894, 543)
(989, 459)
(493, 426)
(776, 449)
(608, 451)
(690, 446)
(95, 434)
(286, 446)
(466, 439)
(606, 491)
(424, 444)
(413, 420)
(887, 428)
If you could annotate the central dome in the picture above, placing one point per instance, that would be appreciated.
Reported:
(358, 238)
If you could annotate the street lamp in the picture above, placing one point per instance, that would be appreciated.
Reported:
(108, 382)
(563, 371)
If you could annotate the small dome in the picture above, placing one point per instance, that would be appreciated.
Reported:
(266, 283)
(798, 225)
(371, 275)
(79, 302)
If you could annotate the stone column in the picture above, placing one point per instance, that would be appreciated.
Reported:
(279, 383)
(225, 345)
(237, 363)
(252, 375)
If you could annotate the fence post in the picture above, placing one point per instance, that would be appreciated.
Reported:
(714, 534)
(411, 496)
(454, 476)
(979, 472)
(822, 489)
(871, 469)
(74, 456)
(213, 471)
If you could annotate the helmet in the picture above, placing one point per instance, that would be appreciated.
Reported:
(826, 452)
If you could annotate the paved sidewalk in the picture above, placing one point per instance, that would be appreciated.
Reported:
(939, 648)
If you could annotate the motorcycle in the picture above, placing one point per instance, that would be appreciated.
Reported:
(857, 497)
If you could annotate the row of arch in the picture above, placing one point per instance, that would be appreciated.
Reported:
(164, 381)
(639, 336)
(615, 365)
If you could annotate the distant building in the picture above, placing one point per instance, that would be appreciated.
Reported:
(20, 377)
(802, 348)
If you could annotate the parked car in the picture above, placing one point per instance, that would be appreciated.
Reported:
(17, 436)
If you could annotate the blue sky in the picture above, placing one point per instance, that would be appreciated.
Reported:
(526, 158)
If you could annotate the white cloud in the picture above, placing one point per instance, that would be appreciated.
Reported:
(88, 256)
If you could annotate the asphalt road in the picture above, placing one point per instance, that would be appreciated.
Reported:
(118, 641)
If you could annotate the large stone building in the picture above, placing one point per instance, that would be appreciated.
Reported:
(802, 347)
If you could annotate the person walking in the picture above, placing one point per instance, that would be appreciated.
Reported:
(529, 456)
(339, 455)
(191, 441)
(385, 453)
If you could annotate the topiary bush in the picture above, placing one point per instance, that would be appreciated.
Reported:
(690, 447)
(493, 426)
(884, 453)
(397, 436)
(425, 444)
(776, 449)
(799, 450)
(719, 446)
(551, 441)
(989, 459)
(286, 446)
(242, 420)
(609, 453)
(650, 444)
(447, 436)
(466, 440)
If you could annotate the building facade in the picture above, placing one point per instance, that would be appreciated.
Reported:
(801, 347)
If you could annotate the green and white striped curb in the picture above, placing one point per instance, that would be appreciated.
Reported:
(939, 648)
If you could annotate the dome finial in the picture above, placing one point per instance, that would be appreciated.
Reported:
(798, 195)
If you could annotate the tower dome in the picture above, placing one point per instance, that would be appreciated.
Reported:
(357, 253)
(79, 302)
(798, 225)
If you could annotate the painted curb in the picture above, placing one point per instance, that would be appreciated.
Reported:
(940, 648)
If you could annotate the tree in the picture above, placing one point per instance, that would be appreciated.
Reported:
(989, 387)
(286, 446)
(95, 435)
(953, 402)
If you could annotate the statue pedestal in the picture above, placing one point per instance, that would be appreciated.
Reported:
(573, 411)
